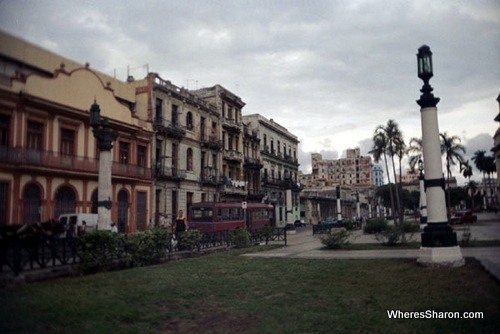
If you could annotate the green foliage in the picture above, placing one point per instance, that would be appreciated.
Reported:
(97, 250)
(241, 238)
(375, 225)
(351, 225)
(189, 240)
(396, 235)
(143, 248)
(336, 239)
(391, 236)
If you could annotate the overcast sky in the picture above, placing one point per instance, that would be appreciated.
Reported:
(328, 71)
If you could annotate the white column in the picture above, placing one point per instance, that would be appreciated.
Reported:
(104, 190)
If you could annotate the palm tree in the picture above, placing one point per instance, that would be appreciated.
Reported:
(415, 150)
(378, 151)
(395, 144)
(479, 159)
(451, 148)
(466, 170)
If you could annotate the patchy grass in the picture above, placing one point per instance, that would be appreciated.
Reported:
(227, 293)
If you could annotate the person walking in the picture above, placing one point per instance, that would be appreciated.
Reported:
(181, 224)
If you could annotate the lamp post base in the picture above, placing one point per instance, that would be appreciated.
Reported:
(439, 235)
(441, 257)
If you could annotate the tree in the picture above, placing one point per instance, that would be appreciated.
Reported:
(485, 164)
(378, 151)
(451, 148)
(414, 151)
(394, 147)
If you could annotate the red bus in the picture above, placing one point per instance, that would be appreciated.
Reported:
(214, 217)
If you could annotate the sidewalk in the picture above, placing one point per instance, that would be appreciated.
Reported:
(304, 245)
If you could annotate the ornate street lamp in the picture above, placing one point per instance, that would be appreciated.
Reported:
(439, 242)
(423, 200)
(105, 138)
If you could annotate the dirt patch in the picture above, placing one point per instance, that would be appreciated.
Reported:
(214, 319)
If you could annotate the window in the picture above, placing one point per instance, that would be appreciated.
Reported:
(124, 153)
(189, 162)
(141, 155)
(4, 130)
(174, 114)
(4, 191)
(32, 200)
(189, 121)
(34, 135)
(65, 201)
(141, 210)
(159, 110)
(67, 142)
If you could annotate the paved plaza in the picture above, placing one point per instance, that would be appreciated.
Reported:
(303, 244)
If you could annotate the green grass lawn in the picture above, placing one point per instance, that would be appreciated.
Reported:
(227, 293)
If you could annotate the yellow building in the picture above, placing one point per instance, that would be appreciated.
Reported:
(48, 154)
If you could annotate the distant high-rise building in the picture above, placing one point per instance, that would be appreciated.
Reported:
(378, 175)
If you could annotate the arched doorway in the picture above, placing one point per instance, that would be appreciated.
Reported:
(32, 200)
(65, 201)
(122, 211)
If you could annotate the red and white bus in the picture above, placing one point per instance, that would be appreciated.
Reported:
(215, 217)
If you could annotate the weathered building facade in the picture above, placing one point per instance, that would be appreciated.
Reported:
(279, 174)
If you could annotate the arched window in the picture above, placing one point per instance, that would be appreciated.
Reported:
(32, 200)
(189, 159)
(65, 201)
(189, 121)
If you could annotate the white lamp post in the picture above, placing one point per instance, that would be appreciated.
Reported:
(105, 137)
(439, 241)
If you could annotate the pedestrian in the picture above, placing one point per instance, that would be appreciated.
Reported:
(181, 224)
(82, 229)
(113, 228)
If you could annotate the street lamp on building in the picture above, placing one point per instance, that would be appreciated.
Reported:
(105, 138)
(439, 242)
(423, 200)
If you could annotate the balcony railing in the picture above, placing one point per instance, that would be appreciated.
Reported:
(233, 155)
(231, 124)
(163, 171)
(253, 163)
(48, 159)
(169, 128)
(210, 141)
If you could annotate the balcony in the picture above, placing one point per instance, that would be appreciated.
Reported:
(234, 187)
(168, 128)
(163, 172)
(209, 176)
(233, 155)
(22, 158)
(231, 125)
(253, 163)
(211, 142)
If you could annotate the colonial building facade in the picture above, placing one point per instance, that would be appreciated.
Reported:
(279, 175)
(174, 146)
(48, 154)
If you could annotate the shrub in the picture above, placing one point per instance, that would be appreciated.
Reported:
(391, 236)
(97, 251)
(409, 227)
(146, 247)
(241, 238)
(189, 240)
(266, 233)
(351, 225)
(336, 239)
(375, 225)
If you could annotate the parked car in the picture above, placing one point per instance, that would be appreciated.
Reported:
(299, 223)
(332, 222)
(463, 217)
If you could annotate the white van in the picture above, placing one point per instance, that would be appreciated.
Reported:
(78, 219)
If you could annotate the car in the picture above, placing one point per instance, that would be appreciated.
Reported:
(463, 217)
(299, 223)
(332, 222)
